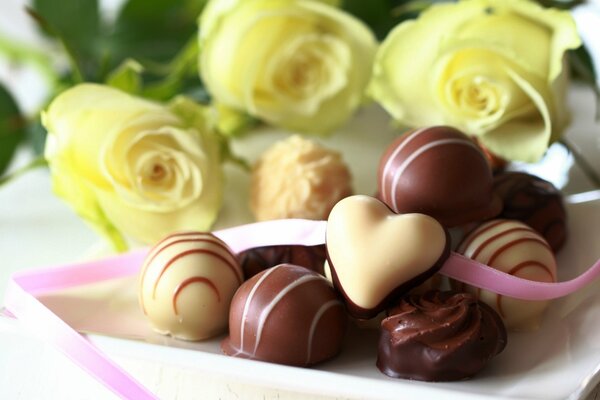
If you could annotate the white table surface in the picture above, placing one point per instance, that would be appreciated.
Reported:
(37, 229)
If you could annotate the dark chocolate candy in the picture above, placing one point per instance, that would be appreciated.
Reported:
(440, 172)
(286, 314)
(258, 259)
(440, 336)
(535, 202)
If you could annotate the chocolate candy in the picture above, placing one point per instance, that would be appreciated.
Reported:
(515, 248)
(258, 259)
(535, 202)
(440, 336)
(187, 283)
(440, 172)
(298, 178)
(287, 315)
(375, 255)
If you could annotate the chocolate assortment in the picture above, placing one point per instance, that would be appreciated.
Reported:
(287, 315)
(379, 256)
(187, 283)
(515, 248)
(535, 202)
(439, 336)
(440, 172)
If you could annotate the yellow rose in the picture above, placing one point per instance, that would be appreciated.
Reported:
(130, 166)
(493, 68)
(299, 64)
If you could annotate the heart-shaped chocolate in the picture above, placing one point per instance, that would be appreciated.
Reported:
(376, 255)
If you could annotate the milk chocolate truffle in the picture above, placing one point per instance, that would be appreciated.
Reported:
(258, 259)
(515, 248)
(298, 178)
(535, 202)
(187, 283)
(287, 315)
(440, 336)
(440, 172)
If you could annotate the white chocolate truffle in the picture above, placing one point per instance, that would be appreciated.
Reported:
(515, 248)
(297, 178)
(187, 283)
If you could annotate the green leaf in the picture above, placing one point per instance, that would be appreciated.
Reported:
(375, 13)
(154, 29)
(562, 4)
(180, 76)
(12, 128)
(383, 15)
(127, 77)
(36, 136)
(77, 24)
(582, 67)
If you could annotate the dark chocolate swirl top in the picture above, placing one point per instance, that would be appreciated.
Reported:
(440, 336)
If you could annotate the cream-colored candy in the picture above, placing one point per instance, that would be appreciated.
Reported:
(187, 283)
(514, 248)
(374, 251)
(297, 178)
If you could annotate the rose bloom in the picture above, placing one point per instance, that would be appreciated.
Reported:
(492, 68)
(298, 64)
(130, 166)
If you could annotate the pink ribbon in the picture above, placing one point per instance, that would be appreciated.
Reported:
(21, 301)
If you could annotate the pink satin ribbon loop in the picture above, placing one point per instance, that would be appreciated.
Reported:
(474, 273)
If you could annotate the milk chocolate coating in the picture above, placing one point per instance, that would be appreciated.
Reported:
(440, 172)
(258, 259)
(286, 315)
(535, 202)
(440, 336)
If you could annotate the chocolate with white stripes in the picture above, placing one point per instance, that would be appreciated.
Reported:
(187, 283)
(286, 314)
(440, 172)
(515, 248)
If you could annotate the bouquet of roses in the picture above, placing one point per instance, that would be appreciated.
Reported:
(137, 126)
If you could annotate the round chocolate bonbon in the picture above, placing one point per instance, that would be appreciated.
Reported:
(514, 248)
(535, 202)
(298, 178)
(439, 336)
(187, 283)
(440, 172)
(258, 259)
(286, 314)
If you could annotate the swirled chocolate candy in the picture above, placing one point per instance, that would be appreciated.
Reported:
(440, 336)
(258, 259)
(286, 314)
(515, 248)
(440, 172)
(187, 283)
(535, 202)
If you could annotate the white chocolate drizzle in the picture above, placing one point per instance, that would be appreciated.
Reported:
(315, 321)
(408, 160)
(267, 310)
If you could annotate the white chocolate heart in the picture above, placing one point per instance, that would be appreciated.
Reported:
(374, 251)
